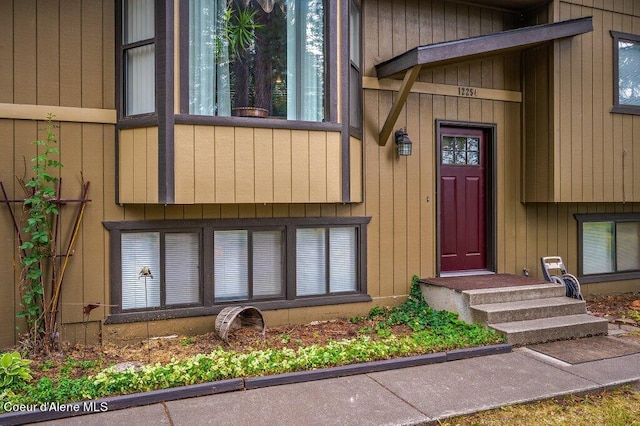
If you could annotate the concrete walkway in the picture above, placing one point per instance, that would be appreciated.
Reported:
(416, 395)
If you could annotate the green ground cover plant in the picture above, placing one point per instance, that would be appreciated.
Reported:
(433, 331)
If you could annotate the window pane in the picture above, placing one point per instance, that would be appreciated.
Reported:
(311, 268)
(139, 21)
(139, 250)
(628, 245)
(629, 72)
(209, 85)
(262, 60)
(231, 278)
(355, 110)
(354, 34)
(182, 268)
(342, 259)
(597, 248)
(140, 82)
(267, 263)
(473, 159)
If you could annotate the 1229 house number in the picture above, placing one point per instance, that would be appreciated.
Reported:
(467, 91)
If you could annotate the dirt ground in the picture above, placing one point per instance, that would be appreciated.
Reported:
(622, 311)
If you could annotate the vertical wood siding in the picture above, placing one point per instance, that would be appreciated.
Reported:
(233, 165)
(400, 192)
(59, 53)
(590, 150)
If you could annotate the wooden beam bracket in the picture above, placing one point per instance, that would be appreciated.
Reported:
(409, 78)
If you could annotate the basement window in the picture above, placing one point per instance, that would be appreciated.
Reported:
(184, 268)
(609, 246)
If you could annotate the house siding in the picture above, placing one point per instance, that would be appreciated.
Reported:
(550, 108)
(58, 57)
(580, 151)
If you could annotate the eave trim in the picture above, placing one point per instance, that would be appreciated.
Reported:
(489, 44)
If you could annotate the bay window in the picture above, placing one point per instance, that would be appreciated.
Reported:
(194, 267)
(355, 75)
(138, 56)
(257, 58)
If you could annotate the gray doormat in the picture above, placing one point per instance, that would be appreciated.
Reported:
(587, 349)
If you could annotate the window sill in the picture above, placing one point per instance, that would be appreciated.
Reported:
(602, 278)
(270, 123)
(626, 109)
(131, 317)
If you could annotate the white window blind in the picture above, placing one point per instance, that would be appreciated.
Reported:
(182, 268)
(342, 259)
(231, 277)
(311, 268)
(267, 263)
(628, 245)
(138, 250)
(597, 248)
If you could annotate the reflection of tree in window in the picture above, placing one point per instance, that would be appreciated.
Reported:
(629, 76)
(266, 54)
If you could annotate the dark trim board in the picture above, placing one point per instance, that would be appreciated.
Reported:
(453, 51)
(344, 72)
(201, 311)
(268, 123)
(164, 103)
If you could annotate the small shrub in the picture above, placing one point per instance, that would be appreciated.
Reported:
(14, 370)
(187, 341)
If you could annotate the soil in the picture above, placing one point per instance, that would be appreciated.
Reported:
(163, 350)
(622, 311)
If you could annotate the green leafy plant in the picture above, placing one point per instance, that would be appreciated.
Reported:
(14, 370)
(634, 315)
(434, 331)
(38, 246)
(238, 30)
(187, 341)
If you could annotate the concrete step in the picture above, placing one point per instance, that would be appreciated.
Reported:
(523, 310)
(513, 294)
(550, 329)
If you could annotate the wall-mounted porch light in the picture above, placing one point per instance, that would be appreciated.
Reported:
(403, 143)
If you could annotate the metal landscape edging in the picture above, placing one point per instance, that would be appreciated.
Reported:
(53, 411)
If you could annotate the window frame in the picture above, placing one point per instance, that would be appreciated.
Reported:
(250, 270)
(327, 256)
(121, 63)
(208, 305)
(330, 121)
(163, 292)
(617, 106)
(355, 130)
(604, 217)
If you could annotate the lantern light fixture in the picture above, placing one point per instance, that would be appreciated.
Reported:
(403, 143)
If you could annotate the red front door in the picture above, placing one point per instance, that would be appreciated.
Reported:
(463, 200)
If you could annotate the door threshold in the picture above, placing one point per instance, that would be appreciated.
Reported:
(467, 273)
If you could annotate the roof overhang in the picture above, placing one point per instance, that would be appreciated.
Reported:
(438, 54)
(490, 44)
